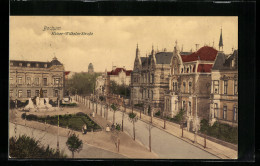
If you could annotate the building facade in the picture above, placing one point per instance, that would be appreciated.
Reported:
(224, 90)
(28, 78)
(189, 85)
(149, 80)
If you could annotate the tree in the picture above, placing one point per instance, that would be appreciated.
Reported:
(26, 147)
(114, 108)
(133, 118)
(74, 144)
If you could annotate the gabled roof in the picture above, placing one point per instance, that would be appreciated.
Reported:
(205, 53)
(118, 70)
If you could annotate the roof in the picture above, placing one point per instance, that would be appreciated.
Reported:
(163, 57)
(224, 62)
(204, 68)
(118, 70)
(67, 72)
(205, 53)
(32, 63)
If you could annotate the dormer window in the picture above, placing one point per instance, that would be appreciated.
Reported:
(45, 65)
(20, 64)
(28, 64)
(11, 64)
(37, 64)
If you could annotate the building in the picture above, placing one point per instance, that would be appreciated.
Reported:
(224, 89)
(120, 76)
(189, 84)
(149, 80)
(90, 68)
(100, 84)
(28, 78)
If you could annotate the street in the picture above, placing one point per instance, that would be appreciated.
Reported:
(164, 144)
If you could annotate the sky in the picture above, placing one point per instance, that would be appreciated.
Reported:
(111, 40)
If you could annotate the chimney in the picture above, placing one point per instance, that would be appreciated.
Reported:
(114, 68)
(197, 46)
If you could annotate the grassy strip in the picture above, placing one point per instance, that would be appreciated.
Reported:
(74, 122)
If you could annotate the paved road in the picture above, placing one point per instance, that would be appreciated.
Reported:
(45, 138)
(163, 143)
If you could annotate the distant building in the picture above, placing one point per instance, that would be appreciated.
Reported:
(120, 76)
(100, 84)
(28, 78)
(224, 89)
(90, 68)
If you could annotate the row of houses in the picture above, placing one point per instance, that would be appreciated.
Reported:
(203, 83)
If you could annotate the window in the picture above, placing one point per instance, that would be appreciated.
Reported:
(215, 86)
(28, 79)
(235, 113)
(45, 81)
(225, 86)
(20, 64)
(225, 112)
(37, 65)
(36, 81)
(215, 110)
(152, 78)
(175, 85)
(190, 87)
(45, 65)
(19, 80)
(152, 94)
(11, 80)
(28, 93)
(189, 107)
(142, 94)
(37, 93)
(57, 81)
(176, 108)
(11, 93)
(56, 93)
(28, 64)
(184, 87)
(45, 93)
(20, 93)
(11, 63)
(235, 87)
(148, 94)
(183, 105)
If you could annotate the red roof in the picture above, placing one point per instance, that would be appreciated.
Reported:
(117, 70)
(67, 72)
(204, 68)
(205, 53)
